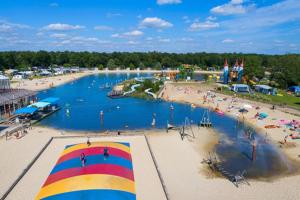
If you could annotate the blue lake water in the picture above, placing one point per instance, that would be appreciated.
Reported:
(83, 100)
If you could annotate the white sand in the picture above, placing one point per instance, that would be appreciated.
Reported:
(48, 82)
(54, 81)
(147, 182)
(178, 161)
(193, 94)
(180, 164)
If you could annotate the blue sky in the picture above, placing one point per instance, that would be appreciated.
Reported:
(248, 26)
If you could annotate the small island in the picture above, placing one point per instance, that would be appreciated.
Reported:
(143, 87)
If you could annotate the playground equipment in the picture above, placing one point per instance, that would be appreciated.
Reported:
(216, 166)
(186, 130)
(236, 74)
(108, 177)
(186, 72)
(205, 121)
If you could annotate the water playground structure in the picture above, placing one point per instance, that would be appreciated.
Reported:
(91, 170)
(235, 74)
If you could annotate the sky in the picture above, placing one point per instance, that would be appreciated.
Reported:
(179, 26)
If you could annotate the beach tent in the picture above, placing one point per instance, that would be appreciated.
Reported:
(51, 100)
(294, 89)
(40, 105)
(26, 111)
(240, 88)
(265, 89)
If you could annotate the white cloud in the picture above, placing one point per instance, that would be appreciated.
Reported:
(110, 15)
(39, 34)
(163, 2)
(79, 40)
(8, 27)
(58, 35)
(196, 26)
(103, 28)
(232, 8)
(132, 42)
(149, 38)
(211, 18)
(227, 41)
(186, 19)
(53, 4)
(164, 40)
(62, 27)
(115, 35)
(155, 22)
(279, 13)
(134, 33)
(186, 39)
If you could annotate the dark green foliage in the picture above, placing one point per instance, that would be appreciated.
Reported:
(284, 69)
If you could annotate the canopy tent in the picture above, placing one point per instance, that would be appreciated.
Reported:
(26, 111)
(40, 104)
(240, 88)
(51, 100)
(265, 89)
(294, 89)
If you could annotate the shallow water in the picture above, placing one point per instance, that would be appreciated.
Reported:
(84, 99)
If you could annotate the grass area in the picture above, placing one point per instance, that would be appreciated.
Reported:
(141, 95)
(140, 91)
(285, 99)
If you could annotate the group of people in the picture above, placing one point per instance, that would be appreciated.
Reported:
(83, 157)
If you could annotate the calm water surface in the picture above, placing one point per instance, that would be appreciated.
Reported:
(84, 99)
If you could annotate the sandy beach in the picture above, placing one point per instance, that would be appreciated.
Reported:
(178, 162)
(47, 82)
(169, 163)
(194, 93)
(54, 81)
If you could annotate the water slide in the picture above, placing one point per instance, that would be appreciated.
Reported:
(147, 91)
(132, 89)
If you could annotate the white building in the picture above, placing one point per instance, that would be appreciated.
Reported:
(4, 83)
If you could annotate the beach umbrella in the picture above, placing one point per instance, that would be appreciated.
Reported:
(243, 110)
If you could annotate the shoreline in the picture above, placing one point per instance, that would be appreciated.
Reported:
(40, 84)
(272, 134)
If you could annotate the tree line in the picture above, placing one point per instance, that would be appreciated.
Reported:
(284, 70)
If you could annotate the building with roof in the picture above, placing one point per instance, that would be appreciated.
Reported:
(4, 83)
(13, 99)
